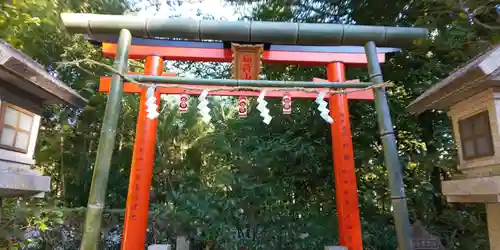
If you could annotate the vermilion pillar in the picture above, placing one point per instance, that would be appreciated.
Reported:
(136, 213)
(343, 161)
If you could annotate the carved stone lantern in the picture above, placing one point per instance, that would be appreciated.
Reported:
(471, 95)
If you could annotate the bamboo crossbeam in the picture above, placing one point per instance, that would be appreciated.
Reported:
(286, 33)
(247, 83)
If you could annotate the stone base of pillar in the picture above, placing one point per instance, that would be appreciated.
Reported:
(182, 243)
(335, 248)
(160, 247)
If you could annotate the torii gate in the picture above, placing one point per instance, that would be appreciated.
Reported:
(282, 38)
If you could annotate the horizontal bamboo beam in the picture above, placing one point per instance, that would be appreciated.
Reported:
(247, 83)
(286, 33)
(132, 88)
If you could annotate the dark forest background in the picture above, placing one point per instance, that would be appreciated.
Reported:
(241, 182)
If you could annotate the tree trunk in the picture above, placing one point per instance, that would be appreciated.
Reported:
(62, 186)
(426, 122)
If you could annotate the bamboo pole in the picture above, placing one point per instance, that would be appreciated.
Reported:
(247, 83)
(254, 31)
(97, 195)
(401, 218)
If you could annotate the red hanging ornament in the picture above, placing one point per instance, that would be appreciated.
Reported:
(287, 104)
(184, 103)
(243, 106)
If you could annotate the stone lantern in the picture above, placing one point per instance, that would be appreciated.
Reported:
(471, 95)
(25, 87)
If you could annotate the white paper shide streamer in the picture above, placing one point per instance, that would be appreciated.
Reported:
(261, 106)
(203, 108)
(324, 111)
(151, 107)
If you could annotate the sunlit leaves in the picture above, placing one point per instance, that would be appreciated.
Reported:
(241, 183)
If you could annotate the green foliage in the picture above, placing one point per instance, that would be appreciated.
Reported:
(239, 182)
(35, 28)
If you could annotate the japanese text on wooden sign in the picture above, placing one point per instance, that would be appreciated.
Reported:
(246, 61)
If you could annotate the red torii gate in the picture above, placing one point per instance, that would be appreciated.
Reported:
(269, 34)
(154, 52)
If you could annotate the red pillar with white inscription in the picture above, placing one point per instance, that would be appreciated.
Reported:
(343, 164)
(136, 213)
